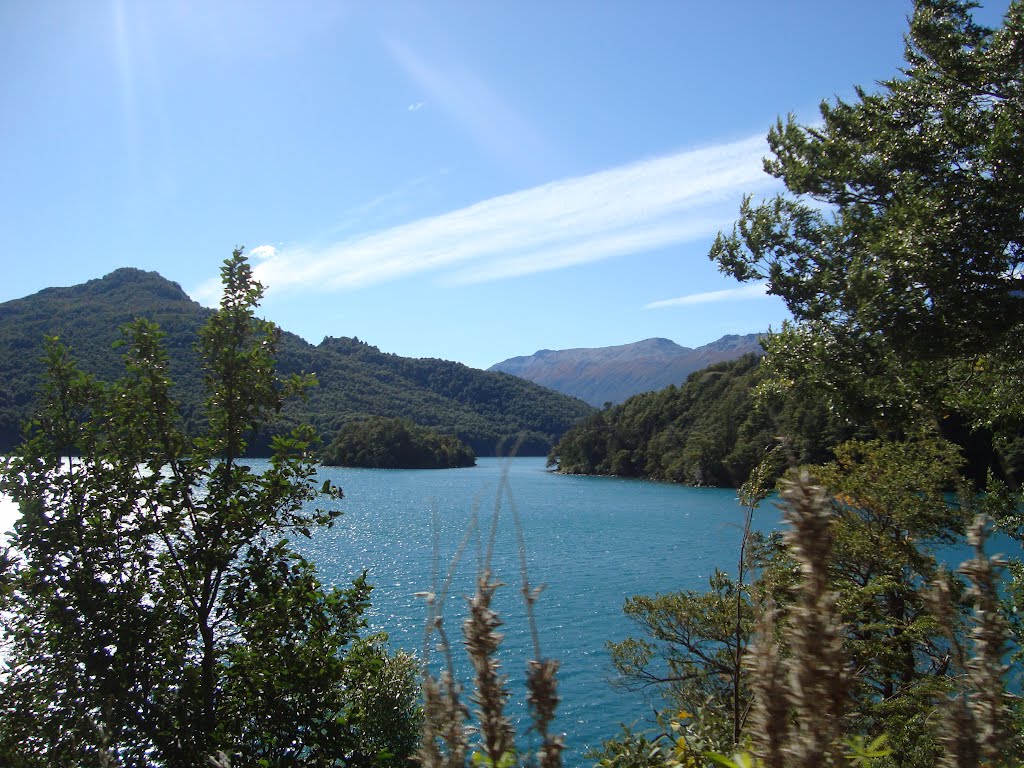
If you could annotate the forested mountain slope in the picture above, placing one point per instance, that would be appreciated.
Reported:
(611, 374)
(356, 380)
(708, 431)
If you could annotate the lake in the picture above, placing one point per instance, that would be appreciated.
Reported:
(592, 541)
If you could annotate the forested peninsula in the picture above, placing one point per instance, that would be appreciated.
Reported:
(711, 430)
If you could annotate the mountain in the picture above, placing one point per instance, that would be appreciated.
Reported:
(356, 380)
(613, 374)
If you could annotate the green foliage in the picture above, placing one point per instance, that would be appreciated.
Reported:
(898, 246)
(383, 703)
(156, 613)
(486, 410)
(694, 644)
(713, 430)
(860, 752)
(490, 412)
(89, 318)
(891, 513)
(665, 747)
(898, 250)
(689, 651)
(395, 444)
(507, 760)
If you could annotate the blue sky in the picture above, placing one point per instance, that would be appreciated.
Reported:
(464, 180)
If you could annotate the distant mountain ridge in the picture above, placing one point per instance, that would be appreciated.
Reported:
(486, 410)
(601, 375)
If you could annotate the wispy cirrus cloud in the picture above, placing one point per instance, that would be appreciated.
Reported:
(262, 252)
(472, 103)
(630, 209)
(743, 292)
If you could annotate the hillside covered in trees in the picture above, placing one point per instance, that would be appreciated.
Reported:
(709, 431)
(356, 380)
(719, 425)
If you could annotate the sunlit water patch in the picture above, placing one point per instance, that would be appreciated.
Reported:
(591, 541)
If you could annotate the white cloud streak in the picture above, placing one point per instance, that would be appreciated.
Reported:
(262, 252)
(473, 105)
(743, 292)
(626, 210)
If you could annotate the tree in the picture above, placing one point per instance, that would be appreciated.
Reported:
(156, 612)
(691, 652)
(696, 645)
(890, 517)
(898, 244)
(887, 514)
(897, 248)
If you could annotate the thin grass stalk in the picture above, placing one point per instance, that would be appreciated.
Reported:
(769, 719)
(819, 681)
(986, 671)
(939, 599)
(542, 696)
(444, 734)
(541, 674)
(444, 714)
(738, 633)
(428, 754)
(978, 730)
(960, 749)
(482, 641)
(444, 718)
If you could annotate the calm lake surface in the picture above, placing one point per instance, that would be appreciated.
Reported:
(592, 541)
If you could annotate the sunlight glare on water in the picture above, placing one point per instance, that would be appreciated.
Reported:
(592, 542)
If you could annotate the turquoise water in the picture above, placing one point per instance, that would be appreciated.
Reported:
(592, 541)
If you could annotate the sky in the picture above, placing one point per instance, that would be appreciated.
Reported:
(470, 181)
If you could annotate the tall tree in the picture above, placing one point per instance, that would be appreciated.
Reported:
(156, 613)
(898, 244)
(897, 247)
